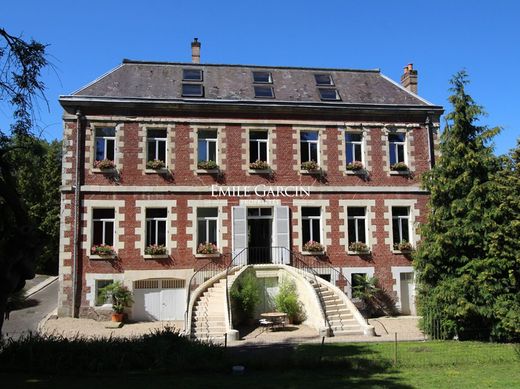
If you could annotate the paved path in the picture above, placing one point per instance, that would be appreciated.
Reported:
(27, 319)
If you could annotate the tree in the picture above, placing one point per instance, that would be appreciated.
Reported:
(462, 273)
(21, 63)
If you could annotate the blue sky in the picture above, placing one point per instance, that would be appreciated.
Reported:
(87, 39)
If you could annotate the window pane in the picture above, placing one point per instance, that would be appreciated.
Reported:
(262, 77)
(110, 151)
(399, 211)
(357, 152)
(212, 231)
(393, 154)
(202, 151)
(308, 135)
(316, 230)
(306, 233)
(323, 79)
(400, 153)
(106, 131)
(156, 213)
(264, 91)
(328, 94)
(194, 90)
(311, 211)
(361, 230)
(162, 151)
(313, 152)
(396, 137)
(404, 226)
(192, 74)
(207, 212)
(265, 211)
(351, 230)
(98, 233)
(109, 233)
(305, 152)
(100, 149)
(253, 212)
(258, 135)
(150, 232)
(156, 133)
(201, 232)
(395, 228)
(161, 233)
(354, 137)
(350, 153)
(207, 134)
(103, 213)
(253, 151)
(263, 151)
(356, 211)
(212, 152)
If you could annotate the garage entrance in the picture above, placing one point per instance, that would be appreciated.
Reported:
(159, 299)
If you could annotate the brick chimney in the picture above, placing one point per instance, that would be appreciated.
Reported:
(195, 51)
(409, 78)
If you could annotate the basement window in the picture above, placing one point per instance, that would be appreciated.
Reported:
(323, 79)
(329, 94)
(191, 75)
(192, 90)
(262, 78)
(264, 92)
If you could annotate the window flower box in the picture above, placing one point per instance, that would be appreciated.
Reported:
(359, 248)
(102, 251)
(156, 250)
(207, 165)
(155, 164)
(310, 166)
(400, 167)
(355, 166)
(404, 247)
(259, 165)
(313, 248)
(207, 250)
(105, 164)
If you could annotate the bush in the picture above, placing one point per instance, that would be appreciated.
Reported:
(164, 350)
(246, 295)
(287, 301)
(120, 295)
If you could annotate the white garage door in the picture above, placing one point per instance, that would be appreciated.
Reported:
(159, 300)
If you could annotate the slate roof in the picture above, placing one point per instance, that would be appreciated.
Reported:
(163, 81)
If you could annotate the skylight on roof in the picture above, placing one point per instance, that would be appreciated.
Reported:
(262, 78)
(323, 79)
(192, 90)
(191, 75)
(329, 94)
(264, 91)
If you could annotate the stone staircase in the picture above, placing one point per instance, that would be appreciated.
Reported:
(209, 315)
(340, 317)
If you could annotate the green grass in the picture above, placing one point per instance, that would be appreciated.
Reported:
(360, 365)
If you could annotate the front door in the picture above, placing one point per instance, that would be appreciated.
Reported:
(259, 240)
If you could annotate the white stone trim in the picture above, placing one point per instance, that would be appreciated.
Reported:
(221, 145)
(64, 255)
(326, 218)
(409, 147)
(119, 218)
(143, 144)
(396, 274)
(370, 206)
(222, 228)
(259, 203)
(90, 281)
(322, 147)
(271, 145)
(90, 144)
(414, 224)
(171, 226)
(348, 271)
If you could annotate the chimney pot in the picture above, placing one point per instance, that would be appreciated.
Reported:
(195, 51)
(409, 78)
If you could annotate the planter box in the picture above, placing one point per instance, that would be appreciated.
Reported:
(312, 172)
(216, 255)
(157, 171)
(315, 253)
(259, 171)
(349, 252)
(104, 171)
(208, 171)
(156, 256)
(400, 172)
(95, 257)
(360, 172)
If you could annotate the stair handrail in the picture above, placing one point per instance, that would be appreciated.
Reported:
(211, 267)
(232, 263)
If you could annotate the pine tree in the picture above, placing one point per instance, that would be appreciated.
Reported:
(453, 260)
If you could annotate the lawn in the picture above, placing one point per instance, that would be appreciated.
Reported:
(361, 365)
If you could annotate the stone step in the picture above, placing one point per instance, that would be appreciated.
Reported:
(343, 323)
(209, 324)
(342, 316)
(348, 332)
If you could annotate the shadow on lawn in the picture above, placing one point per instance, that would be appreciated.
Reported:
(316, 365)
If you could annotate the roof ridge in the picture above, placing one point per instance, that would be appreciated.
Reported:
(166, 63)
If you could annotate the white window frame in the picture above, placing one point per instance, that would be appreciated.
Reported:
(349, 271)
(397, 145)
(259, 142)
(108, 302)
(206, 219)
(307, 143)
(105, 139)
(155, 221)
(356, 218)
(352, 144)
(157, 141)
(311, 221)
(208, 141)
(400, 218)
(104, 221)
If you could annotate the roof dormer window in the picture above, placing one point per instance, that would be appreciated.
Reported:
(262, 78)
(262, 91)
(192, 90)
(323, 79)
(329, 94)
(191, 74)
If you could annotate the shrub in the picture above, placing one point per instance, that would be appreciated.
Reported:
(207, 165)
(155, 164)
(403, 246)
(375, 301)
(102, 249)
(246, 294)
(120, 295)
(359, 247)
(207, 248)
(399, 166)
(287, 301)
(313, 247)
(155, 249)
(259, 165)
(105, 164)
(355, 165)
(310, 165)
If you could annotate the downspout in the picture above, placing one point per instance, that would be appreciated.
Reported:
(77, 203)
(431, 144)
